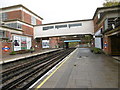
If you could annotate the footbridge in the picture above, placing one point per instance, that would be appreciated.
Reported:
(79, 27)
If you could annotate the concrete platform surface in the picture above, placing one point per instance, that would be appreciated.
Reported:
(20, 56)
(83, 69)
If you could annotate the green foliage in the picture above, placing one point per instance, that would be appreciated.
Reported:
(73, 44)
(13, 53)
(109, 3)
(96, 50)
(23, 51)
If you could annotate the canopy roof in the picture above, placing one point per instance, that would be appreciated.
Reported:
(72, 41)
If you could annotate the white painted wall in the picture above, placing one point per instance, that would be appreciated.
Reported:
(86, 28)
(11, 30)
(20, 22)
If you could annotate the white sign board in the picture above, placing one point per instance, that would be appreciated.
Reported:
(17, 43)
(21, 42)
(29, 42)
(45, 44)
(98, 43)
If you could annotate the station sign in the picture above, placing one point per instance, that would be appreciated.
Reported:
(105, 45)
(6, 48)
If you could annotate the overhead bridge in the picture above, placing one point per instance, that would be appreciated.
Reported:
(79, 27)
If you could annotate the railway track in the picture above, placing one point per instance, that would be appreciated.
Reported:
(23, 75)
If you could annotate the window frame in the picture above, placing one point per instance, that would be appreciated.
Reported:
(3, 34)
(33, 20)
(74, 25)
(61, 26)
(4, 16)
(47, 28)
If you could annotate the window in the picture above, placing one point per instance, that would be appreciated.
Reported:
(61, 26)
(19, 26)
(2, 34)
(14, 25)
(98, 15)
(111, 22)
(106, 24)
(33, 20)
(48, 27)
(4, 16)
(75, 25)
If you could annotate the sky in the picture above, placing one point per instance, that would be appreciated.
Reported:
(58, 10)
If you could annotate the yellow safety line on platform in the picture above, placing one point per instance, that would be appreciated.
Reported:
(52, 73)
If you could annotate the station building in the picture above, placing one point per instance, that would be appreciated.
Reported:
(107, 29)
(16, 28)
(104, 27)
(20, 28)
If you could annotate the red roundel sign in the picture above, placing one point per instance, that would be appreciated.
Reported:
(5, 48)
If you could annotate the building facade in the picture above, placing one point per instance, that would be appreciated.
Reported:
(17, 27)
(107, 29)
(20, 28)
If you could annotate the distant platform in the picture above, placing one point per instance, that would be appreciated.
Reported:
(11, 58)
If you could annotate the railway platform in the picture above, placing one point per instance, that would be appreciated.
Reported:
(11, 58)
(82, 69)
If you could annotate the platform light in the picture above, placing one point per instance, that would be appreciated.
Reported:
(74, 36)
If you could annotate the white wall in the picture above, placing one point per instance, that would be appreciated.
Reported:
(86, 28)
(11, 30)
(17, 39)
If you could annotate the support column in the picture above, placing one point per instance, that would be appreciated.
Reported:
(66, 44)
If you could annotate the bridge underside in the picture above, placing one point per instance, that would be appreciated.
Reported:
(66, 41)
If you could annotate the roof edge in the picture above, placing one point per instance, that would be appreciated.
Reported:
(64, 22)
(20, 5)
(99, 8)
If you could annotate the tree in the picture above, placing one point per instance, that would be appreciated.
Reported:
(109, 3)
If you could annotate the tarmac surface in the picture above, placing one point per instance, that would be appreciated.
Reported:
(84, 69)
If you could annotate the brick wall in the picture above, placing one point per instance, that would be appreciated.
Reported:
(14, 15)
(37, 43)
(21, 15)
(0, 50)
(97, 26)
(8, 34)
(108, 42)
(26, 17)
(27, 30)
(54, 42)
(9, 44)
(38, 22)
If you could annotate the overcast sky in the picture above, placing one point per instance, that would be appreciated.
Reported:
(58, 10)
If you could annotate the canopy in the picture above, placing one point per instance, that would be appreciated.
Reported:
(72, 41)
